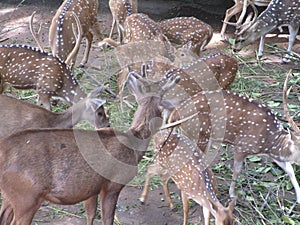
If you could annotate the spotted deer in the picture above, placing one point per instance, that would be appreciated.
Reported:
(240, 7)
(18, 115)
(84, 163)
(120, 9)
(252, 129)
(24, 67)
(179, 159)
(213, 72)
(278, 13)
(187, 32)
(61, 36)
(140, 27)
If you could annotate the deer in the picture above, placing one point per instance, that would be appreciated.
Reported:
(61, 35)
(251, 127)
(67, 166)
(213, 72)
(139, 27)
(240, 6)
(120, 9)
(19, 115)
(178, 158)
(278, 13)
(187, 32)
(24, 67)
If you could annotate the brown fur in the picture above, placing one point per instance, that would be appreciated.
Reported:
(69, 166)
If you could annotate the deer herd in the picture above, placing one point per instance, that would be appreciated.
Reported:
(184, 104)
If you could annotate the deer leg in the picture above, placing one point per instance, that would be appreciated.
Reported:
(108, 206)
(293, 30)
(89, 39)
(120, 33)
(206, 215)
(164, 178)
(91, 209)
(185, 205)
(25, 209)
(112, 28)
(6, 214)
(151, 171)
(288, 168)
(237, 167)
(261, 46)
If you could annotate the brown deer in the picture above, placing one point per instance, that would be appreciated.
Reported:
(120, 9)
(66, 166)
(250, 127)
(24, 67)
(178, 158)
(19, 115)
(61, 37)
(240, 6)
(278, 13)
(188, 32)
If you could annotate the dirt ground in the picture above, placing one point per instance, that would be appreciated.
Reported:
(14, 25)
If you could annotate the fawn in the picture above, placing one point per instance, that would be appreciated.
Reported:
(179, 159)
(66, 166)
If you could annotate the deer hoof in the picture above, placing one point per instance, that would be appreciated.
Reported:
(142, 200)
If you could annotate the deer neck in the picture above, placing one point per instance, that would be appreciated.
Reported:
(70, 117)
(283, 147)
(292, 148)
(73, 93)
(145, 124)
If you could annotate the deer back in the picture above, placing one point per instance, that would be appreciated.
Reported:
(214, 72)
(139, 27)
(190, 32)
(61, 35)
(228, 118)
(24, 67)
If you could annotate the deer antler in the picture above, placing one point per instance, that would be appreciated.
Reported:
(78, 40)
(36, 36)
(248, 22)
(285, 107)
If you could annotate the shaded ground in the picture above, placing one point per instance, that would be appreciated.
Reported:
(14, 25)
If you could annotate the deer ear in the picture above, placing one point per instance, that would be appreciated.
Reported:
(95, 103)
